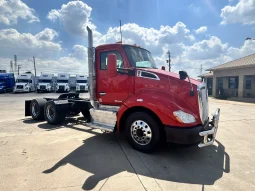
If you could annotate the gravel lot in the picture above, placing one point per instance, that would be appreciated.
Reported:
(37, 156)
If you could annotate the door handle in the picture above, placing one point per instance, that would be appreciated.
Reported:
(102, 93)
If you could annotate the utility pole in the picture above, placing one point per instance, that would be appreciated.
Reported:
(201, 69)
(169, 60)
(11, 66)
(34, 65)
(19, 66)
(15, 63)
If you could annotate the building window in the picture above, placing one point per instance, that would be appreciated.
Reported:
(248, 82)
(233, 83)
(103, 58)
(220, 83)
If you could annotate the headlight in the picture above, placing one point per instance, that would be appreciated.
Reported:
(183, 117)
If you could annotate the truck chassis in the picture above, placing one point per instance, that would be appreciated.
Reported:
(54, 111)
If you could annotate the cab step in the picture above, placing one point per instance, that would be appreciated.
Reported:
(103, 118)
(100, 126)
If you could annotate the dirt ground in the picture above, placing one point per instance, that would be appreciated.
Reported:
(37, 156)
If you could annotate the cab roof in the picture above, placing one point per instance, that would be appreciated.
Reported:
(117, 45)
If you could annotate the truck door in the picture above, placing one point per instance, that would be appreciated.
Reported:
(111, 90)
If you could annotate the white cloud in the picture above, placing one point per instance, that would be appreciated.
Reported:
(206, 49)
(187, 53)
(75, 16)
(12, 10)
(150, 38)
(200, 30)
(79, 52)
(28, 45)
(47, 35)
(243, 12)
(247, 48)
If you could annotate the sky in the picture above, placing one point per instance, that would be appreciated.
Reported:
(198, 33)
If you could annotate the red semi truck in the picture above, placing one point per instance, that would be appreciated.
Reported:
(129, 94)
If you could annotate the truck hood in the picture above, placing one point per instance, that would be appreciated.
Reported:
(44, 84)
(2, 85)
(171, 75)
(23, 84)
(62, 84)
(82, 84)
(168, 89)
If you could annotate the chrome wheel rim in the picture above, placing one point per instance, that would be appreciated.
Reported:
(141, 132)
(50, 112)
(35, 109)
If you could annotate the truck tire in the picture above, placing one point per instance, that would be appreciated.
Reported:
(37, 108)
(142, 132)
(51, 114)
(86, 115)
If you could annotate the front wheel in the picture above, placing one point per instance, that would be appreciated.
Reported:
(143, 132)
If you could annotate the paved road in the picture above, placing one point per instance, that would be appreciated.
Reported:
(37, 156)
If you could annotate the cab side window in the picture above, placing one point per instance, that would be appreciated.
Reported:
(103, 59)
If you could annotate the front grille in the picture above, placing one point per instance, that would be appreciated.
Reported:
(19, 86)
(61, 87)
(203, 102)
(82, 87)
(42, 87)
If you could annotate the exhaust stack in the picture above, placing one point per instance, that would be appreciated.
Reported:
(91, 68)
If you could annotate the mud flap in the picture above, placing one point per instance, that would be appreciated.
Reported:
(27, 108)
(62, 105)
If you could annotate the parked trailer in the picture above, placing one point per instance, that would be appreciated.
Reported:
(45, 83)
(149, 105)
(81, 83)
(7, 82)
(63, 83)
(25, 83)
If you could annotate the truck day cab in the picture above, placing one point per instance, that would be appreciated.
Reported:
(129, 94)
(25, 83)
(81, 83)
(7, 82)
(63, 83)
(45, 83)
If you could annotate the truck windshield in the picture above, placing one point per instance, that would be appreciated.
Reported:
(44, 81)
(22, 81)
(81, 81)
(138, 57)
(62, 81)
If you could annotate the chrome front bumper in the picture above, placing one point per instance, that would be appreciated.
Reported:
(210, 134)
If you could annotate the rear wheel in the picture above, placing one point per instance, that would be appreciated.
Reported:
(51, 114)
(37, 108)
(143, 132)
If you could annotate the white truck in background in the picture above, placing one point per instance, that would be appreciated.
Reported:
(45, 83)
(62, 84)
(25, 83)
(81, 83)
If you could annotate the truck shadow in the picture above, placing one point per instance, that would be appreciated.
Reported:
(106, 155)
